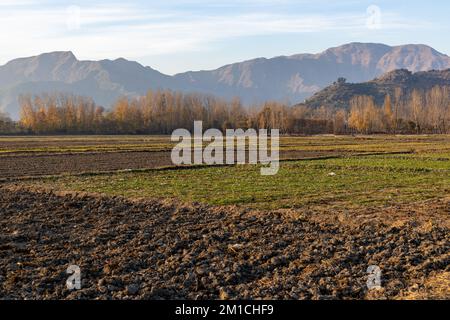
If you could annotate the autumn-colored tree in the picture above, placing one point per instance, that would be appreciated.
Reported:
(437, 103)
(397, 107)
(388, 115)
(364, 115)
(340, 122)
(416, 106)
(27, 113)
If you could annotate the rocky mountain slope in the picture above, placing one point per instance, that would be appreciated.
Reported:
(340, 93)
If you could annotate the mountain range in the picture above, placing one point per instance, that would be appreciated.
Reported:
(288, 78)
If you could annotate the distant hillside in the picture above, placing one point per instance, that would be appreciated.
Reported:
(285, 78)
(340, 93)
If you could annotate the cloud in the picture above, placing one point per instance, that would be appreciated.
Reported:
(131, 31)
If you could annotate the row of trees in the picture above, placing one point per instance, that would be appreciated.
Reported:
(162, 111)
(418, 112)
(158, 112)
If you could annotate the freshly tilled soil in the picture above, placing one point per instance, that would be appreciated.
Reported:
(13, 166)
(142, 249)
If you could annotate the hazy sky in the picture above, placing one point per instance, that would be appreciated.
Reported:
(179, 35)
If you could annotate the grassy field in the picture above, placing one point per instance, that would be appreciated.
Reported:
(421, 172)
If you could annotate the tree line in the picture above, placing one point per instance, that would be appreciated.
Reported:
(418, 112)
(162, 111)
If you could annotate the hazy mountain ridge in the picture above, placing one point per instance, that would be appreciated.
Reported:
(339, 94)
(293, 78)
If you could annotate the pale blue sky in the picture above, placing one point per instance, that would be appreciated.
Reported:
(175, 36)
